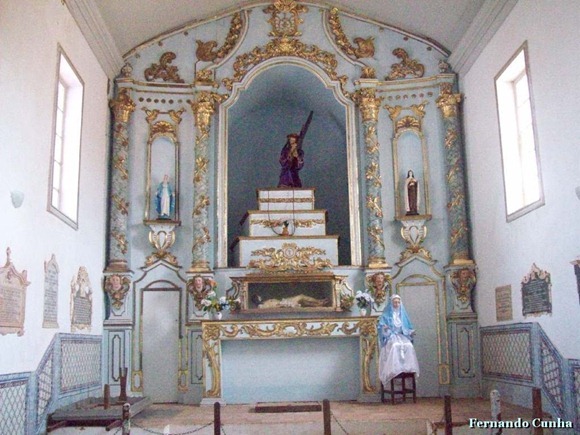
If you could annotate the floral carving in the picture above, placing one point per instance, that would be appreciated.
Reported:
(164, 70)
(407, 66)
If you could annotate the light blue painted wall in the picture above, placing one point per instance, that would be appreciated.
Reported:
(290, 370)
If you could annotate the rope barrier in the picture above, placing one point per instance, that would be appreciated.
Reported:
(172, 433)
(338, 423)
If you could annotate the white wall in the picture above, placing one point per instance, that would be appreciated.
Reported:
(550, 235)
(29, 32)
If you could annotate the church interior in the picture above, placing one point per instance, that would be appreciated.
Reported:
(218, 201)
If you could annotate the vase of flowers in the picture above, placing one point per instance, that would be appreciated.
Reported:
(214, 305)
(364, 302)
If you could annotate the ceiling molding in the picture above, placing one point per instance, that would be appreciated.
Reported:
(487, 21)
(94, 29)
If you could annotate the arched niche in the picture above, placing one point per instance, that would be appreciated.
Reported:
(410, 153)
(270, 103)
(162, 159)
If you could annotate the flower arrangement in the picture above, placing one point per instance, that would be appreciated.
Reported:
(364, 300)
(212, 304)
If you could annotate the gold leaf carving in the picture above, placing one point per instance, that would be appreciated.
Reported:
(376, 234)
(284, 46)
(285, 17)
(372, 174)
(200, 168)
(373, 204)
(121, 241)
(366, 46)
(407, 66)
(205, 50)
(117, 286)
(448, 101)
(121, 204)
(408, 122)
(123, 106)
(290, 258)
(202, 202)
(298, 223)
(164, 70)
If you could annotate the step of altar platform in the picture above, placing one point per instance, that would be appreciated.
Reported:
(281, 251)
(257, 223)
(285, 199)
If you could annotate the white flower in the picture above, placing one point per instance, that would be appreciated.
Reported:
(206, 302)
(223, 300)
(211, 294)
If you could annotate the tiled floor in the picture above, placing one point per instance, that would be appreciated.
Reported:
(347, 417)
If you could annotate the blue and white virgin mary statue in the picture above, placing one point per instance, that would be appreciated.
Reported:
(397, 354)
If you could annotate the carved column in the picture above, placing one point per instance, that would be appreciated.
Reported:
(448, 102)
(369, 105)
(460, 273)
(122, 107)
(203, 109)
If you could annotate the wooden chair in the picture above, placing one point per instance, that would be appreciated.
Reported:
(403, 390)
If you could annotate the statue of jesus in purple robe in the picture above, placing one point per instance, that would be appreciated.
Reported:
(291, 160)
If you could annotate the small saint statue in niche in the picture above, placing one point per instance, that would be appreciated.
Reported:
(165, 199)
(411, 195)
(292, 157)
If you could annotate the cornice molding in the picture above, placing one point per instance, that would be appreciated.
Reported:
(94, 29)
(485, 24)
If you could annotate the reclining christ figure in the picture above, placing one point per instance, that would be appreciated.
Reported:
(397, 354)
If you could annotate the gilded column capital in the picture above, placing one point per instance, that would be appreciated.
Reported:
(122, 106)
(368, 102)
(448, 101)
(204, 107)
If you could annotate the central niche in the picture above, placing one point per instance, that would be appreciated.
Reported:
(276, 103)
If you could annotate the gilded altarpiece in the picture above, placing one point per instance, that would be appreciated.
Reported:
(396, 96)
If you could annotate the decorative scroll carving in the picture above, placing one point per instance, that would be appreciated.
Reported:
(164, 70)
(117, 287)
(12, 298)
(198, 287)
(414, 232)
(407, 67)
(463, 281)
(285, 17)
(205, 50)
(213, 333)
(290, 258)
(285, 46)
(162, 237)
(366, 47)
(81, 301)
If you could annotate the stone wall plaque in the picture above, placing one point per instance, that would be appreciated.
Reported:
(50, 317)
(503, 303)
(12, 298)
(536, 292)
(81, 301)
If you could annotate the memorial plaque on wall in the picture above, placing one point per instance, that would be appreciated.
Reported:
(12, 298)
(577, 272)
(503, 303)
(50, 318)
(536, 292)
(81, 301)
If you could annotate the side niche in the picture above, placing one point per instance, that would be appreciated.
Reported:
(410, 161)
(13, 286)
(162, 184)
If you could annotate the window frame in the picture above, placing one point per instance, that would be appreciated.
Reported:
(58, 211)
(511, 81)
